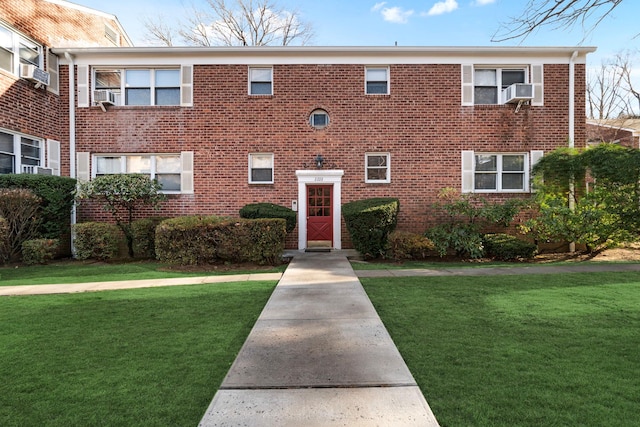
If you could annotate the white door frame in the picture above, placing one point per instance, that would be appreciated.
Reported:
(319, 177)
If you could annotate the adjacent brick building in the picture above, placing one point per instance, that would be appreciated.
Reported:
(312, 128)
(32, 118)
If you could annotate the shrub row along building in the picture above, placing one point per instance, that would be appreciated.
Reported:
(309, 128)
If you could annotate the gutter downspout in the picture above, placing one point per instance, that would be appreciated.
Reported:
(572, 130)
(72, 136)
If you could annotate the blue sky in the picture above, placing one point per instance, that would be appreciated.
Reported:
(408, 22)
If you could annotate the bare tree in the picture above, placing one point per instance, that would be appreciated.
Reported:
(604, 94)
(158, 31)
(612, 91)
(557, 14)
(234, 23)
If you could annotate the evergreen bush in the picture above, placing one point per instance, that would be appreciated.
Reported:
(39, 251)
(506, 247)
(406, 245)
(97, 240)
(269, 210)
(369, 223)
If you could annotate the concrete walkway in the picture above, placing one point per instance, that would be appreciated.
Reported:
(319, 355)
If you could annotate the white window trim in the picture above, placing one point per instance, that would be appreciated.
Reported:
(388, 168)
(387, 70)
(499, 70)
(469, 172)
(152, 166)
(272, 168)
(249, 81)
(17, 151)
(121, 98)
(17, 37)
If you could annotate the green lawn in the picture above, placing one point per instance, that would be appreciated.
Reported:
(82, 272)
(534, 350)
(121, 358)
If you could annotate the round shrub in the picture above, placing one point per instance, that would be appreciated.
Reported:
(506, 247)
(269, 210)
(39, 251)
(96, 240)
(369, 223)
(406, 245)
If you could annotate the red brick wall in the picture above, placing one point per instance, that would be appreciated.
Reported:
(597, 134)
(421, 123)
(54, 25)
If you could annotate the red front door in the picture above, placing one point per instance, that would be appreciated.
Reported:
(319, 216)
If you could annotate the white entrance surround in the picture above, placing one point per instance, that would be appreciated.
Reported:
(319, 177)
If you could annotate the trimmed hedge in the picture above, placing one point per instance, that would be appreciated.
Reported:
(144, 236)
(369, 223)
(506, 247)
(56, 193)
(196, 240)
(406, 245)
(269, 210)
(39, 251)
(97, 240)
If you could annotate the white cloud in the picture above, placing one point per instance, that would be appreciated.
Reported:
(376, 7)
(441, 7)
(484, 2)
(396, 15)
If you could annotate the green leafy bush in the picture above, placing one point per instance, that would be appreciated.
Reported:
(4, 241)
(39, 251)
(144, 236)
(20, 208)
(195, 240)
(464, 239)
(369, 223)
(506, 247)
(406, 245)
(269, 210)
(56, 195)
(96, 240)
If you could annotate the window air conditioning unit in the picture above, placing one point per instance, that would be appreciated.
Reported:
(42, 171)
(33, 73)
(518, 92)
(104, 97)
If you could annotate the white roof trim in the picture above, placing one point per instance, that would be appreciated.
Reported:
(325, 55)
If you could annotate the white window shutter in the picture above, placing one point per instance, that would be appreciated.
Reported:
(186, 177)
(535, 157)
(467, 171)
(186, 86)
(52, 69)
(83, 86)
(83, 173)
(467, 84)
(537, 80)
(53, 153)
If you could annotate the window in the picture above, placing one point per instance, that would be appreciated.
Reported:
(319, 119)
(165, 168)
(377, 81)
(489, 83)
(500, 172)
(260, 81)
(377, 168)
(16, 49)
(20, 153)
(260, 168)
(140, 86)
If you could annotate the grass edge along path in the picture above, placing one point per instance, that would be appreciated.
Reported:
(524, 350)
(83, 272)
(144, 357)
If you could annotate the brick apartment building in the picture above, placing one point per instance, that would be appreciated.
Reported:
(312, 128)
